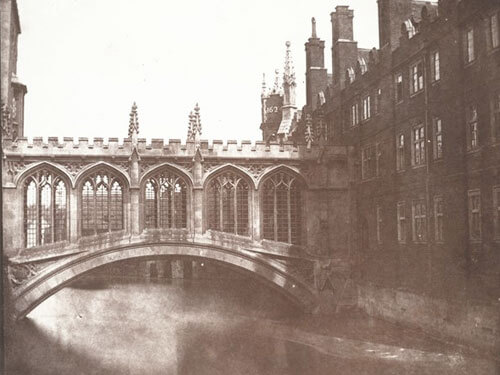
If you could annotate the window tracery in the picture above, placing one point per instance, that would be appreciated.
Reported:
(102, 203)
(45, 208)
(282, 219)
(227, 203)
(165, 201)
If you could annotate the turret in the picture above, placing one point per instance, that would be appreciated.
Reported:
(316, 74)
(344, 48)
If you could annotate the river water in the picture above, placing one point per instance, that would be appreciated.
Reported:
(212, 326)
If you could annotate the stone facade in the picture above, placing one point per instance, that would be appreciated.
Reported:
(397, 151)
(423, 118)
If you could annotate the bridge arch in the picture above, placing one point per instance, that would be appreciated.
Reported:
(61, 274)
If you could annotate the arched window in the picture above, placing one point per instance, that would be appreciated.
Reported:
(165, 201)
(281, 203)
(227, 203)
(45, 208)
(102, 203)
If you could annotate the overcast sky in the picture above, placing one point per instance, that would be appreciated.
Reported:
(86, 61)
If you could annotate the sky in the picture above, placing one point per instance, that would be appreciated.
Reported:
(86, 61)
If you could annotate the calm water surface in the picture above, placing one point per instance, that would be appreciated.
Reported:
(214, 327)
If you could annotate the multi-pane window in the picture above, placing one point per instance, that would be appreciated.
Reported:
(472, 127)
(379, 224)
(496, 211)
(378, 101)
(495, 114)
(354, 114)
(474, 215)
(435, 68)
(469, 52)
(227, 203)
(165, 201)
(368, 162)
(101, 203)
(438, 138)
(399, 87)
(438, 219)
(419, 221)
(400, 152)
(366, 108)
(401, 217)
(416, 77)
(492, 31)
(45, 208)
(281, 208)
(418, 145)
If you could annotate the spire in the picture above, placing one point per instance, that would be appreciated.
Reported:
(194, 127)
(133, 125)
(276, 88)
(313, 21)
(263, 84)
(289, 109)
(289, 73)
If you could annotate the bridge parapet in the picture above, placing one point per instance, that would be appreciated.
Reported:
(158, 147)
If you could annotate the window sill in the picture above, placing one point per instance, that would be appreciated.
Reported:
(436, 82)
(473, 151)
(438, 160)
(470, 63)
(416, 93)
(418, 166)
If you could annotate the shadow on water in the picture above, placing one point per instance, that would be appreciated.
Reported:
(126, 325)
(24, 356)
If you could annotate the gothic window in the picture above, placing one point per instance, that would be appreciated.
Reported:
(227, 203)
(45, 209)
(281, 203)
(102, 203)
(165, 201)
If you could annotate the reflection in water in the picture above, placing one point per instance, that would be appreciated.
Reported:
(210, 327)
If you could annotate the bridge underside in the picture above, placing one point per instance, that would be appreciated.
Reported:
(281, 275)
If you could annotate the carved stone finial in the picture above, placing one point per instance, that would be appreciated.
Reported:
(276, 87)
(289, 72)
(194, 128)
(263, 85)
(133, 126)
(6, 119)
(309, 134)
(313, 22)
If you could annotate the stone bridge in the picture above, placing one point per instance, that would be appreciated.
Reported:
(72, 206)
